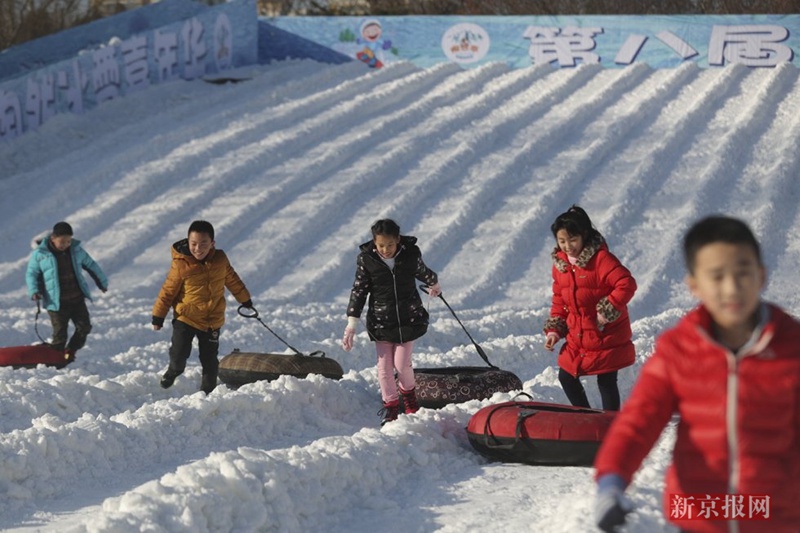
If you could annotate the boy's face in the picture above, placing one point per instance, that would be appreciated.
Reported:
(61, 242)
(200, 244)
(728, 279)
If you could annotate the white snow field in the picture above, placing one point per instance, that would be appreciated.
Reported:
(292, 167)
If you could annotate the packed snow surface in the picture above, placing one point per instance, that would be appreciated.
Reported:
(292, 167)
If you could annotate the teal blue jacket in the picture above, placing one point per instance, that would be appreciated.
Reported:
(42, 274)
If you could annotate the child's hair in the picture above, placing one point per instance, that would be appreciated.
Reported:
(714, 229)
(576, 222)
(201, 226)
(62, 228)
(385, 226)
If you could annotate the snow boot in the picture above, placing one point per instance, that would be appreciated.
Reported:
(410, 400)
(168, 379)
(209, 382)
(390, 411)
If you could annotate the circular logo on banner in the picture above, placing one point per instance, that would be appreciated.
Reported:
(465, 43)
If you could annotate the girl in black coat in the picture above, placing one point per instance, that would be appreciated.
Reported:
(387, 269)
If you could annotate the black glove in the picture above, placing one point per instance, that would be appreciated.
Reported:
(158, 321)
(248, 304)
(610, 505)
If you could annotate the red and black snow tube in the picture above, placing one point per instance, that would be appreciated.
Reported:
(539, 433)
(437, 387)
(32, 356)
(239, 368)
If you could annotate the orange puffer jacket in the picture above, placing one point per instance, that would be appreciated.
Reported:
(196, 290)
(598, 283)
(739, 428)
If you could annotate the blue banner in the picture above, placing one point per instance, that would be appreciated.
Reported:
(561, 41)
(215, 40)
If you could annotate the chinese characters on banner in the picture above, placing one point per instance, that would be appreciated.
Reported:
(761, 45)
(203, 44)
(118, 69)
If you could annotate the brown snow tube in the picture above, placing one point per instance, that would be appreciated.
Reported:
(239, 368)
(437, 387)
(539, 433)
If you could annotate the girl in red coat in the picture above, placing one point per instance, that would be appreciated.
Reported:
(591, 291)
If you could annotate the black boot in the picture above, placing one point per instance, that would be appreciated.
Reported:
(209, 382)
(390, 411)
(168, 378)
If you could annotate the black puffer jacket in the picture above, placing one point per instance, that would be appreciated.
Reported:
(395, 313)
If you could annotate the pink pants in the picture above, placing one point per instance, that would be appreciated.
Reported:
(393, 356)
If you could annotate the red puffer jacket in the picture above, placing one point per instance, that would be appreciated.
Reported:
(597, 283)
(739, 429)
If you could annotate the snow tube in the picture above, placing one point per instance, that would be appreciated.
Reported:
(437, 387)
(32, 355)
(239, 368)
(539, 433)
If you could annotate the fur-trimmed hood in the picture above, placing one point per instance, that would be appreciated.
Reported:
(561, 261)
(38, 238)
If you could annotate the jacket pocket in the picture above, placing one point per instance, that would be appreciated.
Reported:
(382, 312)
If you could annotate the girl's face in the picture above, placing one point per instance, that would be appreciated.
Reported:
(386, 245)
(572, 245)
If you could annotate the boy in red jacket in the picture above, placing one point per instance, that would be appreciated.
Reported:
(731, 370)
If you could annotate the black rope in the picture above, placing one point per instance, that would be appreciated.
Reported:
(424, 288)
(36, 321)
(254, 314)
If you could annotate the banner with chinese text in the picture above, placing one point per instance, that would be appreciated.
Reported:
(215, 40)
(562, 41)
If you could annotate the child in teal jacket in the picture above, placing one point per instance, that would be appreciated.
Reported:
(54, 277)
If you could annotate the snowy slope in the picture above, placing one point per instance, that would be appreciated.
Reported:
(292, 168)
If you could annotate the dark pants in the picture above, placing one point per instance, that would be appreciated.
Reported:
(79, 314)
(182, 336)
(606, 383)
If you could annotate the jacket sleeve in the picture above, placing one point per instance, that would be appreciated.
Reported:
(425, 274)
(640, 422)
(33, 275)
(89, 265)
(169, 291)
(362, 285)
(235, 284)
(557, 322)
(622, 283)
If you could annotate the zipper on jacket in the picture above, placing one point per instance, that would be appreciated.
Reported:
(394, 287)
(730, 423)
(397, 306)
(396, 299)
(573, 272)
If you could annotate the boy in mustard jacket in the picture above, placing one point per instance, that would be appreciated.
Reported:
(195, 289)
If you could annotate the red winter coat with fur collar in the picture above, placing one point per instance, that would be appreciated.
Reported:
(597, 283)
(739, 426)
